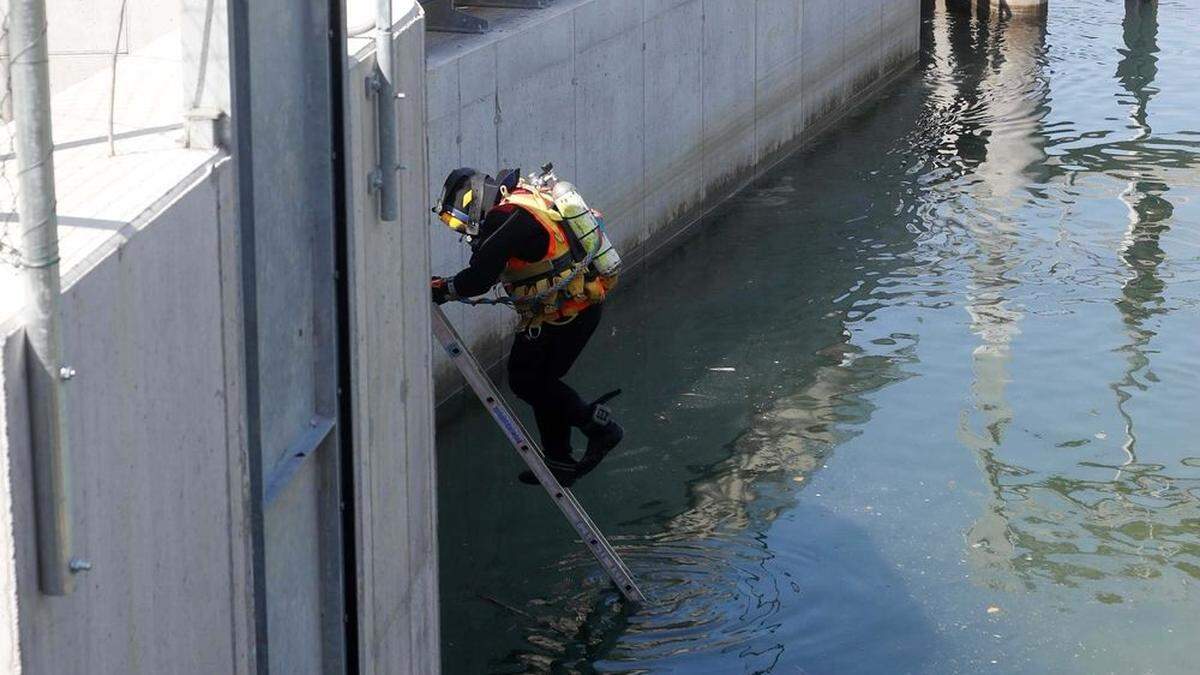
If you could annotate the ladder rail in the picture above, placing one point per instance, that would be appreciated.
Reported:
(531, 453)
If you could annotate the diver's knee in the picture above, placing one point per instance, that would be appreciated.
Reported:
(524, 385)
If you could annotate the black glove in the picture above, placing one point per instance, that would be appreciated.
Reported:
(440, 289)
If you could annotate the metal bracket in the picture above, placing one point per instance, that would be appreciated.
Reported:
(373, 84)
(440, 15)
(516, 4)
(377, 88)
(319, 428)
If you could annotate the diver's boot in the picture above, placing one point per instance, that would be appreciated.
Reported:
(565, 472)
(603, 434)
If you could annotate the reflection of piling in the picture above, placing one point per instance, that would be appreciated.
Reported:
(1142, 292)
(990, 68)
(1014, 104)
(1002, 8)
(1021, 7)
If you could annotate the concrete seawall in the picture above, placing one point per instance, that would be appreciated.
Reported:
(656, 109)
(158, 463)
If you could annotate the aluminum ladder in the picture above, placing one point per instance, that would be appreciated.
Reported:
(532, 454)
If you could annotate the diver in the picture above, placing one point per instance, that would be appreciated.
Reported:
(555, 279)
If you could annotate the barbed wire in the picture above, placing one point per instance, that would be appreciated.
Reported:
(112, 91)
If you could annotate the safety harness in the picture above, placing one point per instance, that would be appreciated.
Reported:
(560, 285)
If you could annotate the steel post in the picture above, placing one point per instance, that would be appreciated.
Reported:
(45, 370)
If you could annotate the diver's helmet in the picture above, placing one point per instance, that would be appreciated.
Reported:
(468, 195)
(463, 202)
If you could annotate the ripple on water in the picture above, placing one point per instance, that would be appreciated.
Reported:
(734, 600)
(706, 601)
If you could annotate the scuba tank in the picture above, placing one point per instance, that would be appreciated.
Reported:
(585, 223)
(587, 228)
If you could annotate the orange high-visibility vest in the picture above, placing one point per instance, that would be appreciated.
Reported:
(525, 280)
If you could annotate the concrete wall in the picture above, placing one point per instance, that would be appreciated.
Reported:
(157, 421)
(392, 384)
(159, 468)
(657, 109)
(83, 34)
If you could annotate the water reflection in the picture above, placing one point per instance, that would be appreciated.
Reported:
(1142, 293)
(1142, 301)
(1000, 99)
(725, 592)
(1041, 523)
(1149, 213)
(739, 399)
(974, 284)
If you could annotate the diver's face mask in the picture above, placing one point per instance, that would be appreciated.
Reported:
(458, 220)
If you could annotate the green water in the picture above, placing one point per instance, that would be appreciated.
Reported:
(923, 399)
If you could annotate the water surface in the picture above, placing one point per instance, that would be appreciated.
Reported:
(923, 399)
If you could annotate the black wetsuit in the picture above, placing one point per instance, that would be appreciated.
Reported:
(536, 365)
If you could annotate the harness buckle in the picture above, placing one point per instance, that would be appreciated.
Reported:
(601, 415)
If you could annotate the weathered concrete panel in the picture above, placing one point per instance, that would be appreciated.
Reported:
(293, 190)
(537, 97)
(901, 32)
(674, 111)
(822, 57)
(290, 521)
(443, 142)
(864, 37)
(294, 218)
(153, 461)
(609, 111)
(728, 83)
(778, 82)
(441, 89)
(391, 348)
(598, 22)
(478, 118)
